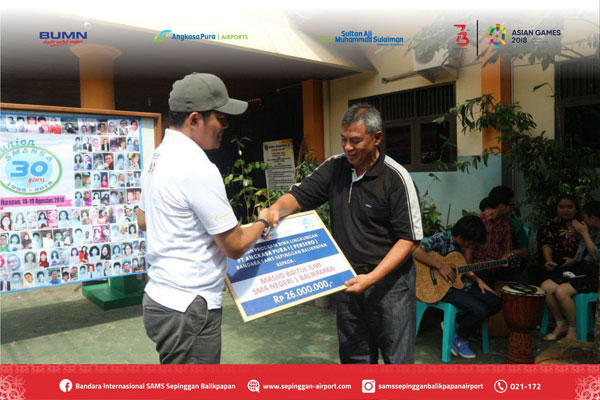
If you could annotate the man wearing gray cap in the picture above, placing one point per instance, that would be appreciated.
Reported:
(191, 228)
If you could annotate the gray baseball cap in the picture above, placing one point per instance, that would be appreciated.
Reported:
(203, 92)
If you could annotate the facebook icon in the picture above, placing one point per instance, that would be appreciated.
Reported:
(65, 385)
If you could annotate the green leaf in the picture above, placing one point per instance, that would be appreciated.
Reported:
(440, 120)
(545, 64)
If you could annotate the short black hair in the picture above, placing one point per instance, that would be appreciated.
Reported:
(499, 195)
(569, 197)
(177, 118)
(483, 204)
(592, 209)
(470, 228)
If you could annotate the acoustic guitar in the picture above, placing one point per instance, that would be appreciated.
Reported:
(431, 285)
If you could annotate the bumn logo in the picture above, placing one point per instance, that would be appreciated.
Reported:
(63, 38)
(63, 35)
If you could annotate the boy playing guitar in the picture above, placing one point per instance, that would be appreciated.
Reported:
(478, 301)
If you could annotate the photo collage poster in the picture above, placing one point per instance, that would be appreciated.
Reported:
(69, 187)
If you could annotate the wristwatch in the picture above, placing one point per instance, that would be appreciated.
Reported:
(267, 229)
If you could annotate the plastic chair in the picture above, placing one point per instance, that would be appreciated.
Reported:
(449, 318)
(584, 315)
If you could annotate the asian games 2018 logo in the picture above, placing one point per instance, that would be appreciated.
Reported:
(29, 170)
(497, 35)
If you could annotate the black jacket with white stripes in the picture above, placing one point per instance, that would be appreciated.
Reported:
(369, 214)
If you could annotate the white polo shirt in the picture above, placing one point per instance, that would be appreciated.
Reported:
(183, 197)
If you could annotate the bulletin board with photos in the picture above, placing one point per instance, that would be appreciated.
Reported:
(69, 187)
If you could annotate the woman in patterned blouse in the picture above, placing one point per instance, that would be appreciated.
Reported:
(579, 274)
(558, 238)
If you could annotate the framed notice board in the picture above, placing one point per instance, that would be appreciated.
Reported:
(69, 185)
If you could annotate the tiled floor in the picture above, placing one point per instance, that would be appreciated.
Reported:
(58, 325)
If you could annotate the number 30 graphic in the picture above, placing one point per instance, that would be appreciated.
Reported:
(38, 168)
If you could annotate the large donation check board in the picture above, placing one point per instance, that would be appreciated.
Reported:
(300, 262)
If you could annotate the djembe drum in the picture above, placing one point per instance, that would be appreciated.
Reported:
(522, 306)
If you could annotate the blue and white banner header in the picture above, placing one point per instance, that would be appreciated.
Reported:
(300, 262)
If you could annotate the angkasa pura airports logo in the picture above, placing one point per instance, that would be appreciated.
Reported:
(194, 36)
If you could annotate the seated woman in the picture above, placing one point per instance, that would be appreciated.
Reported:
(558, 239)
(583, 277)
